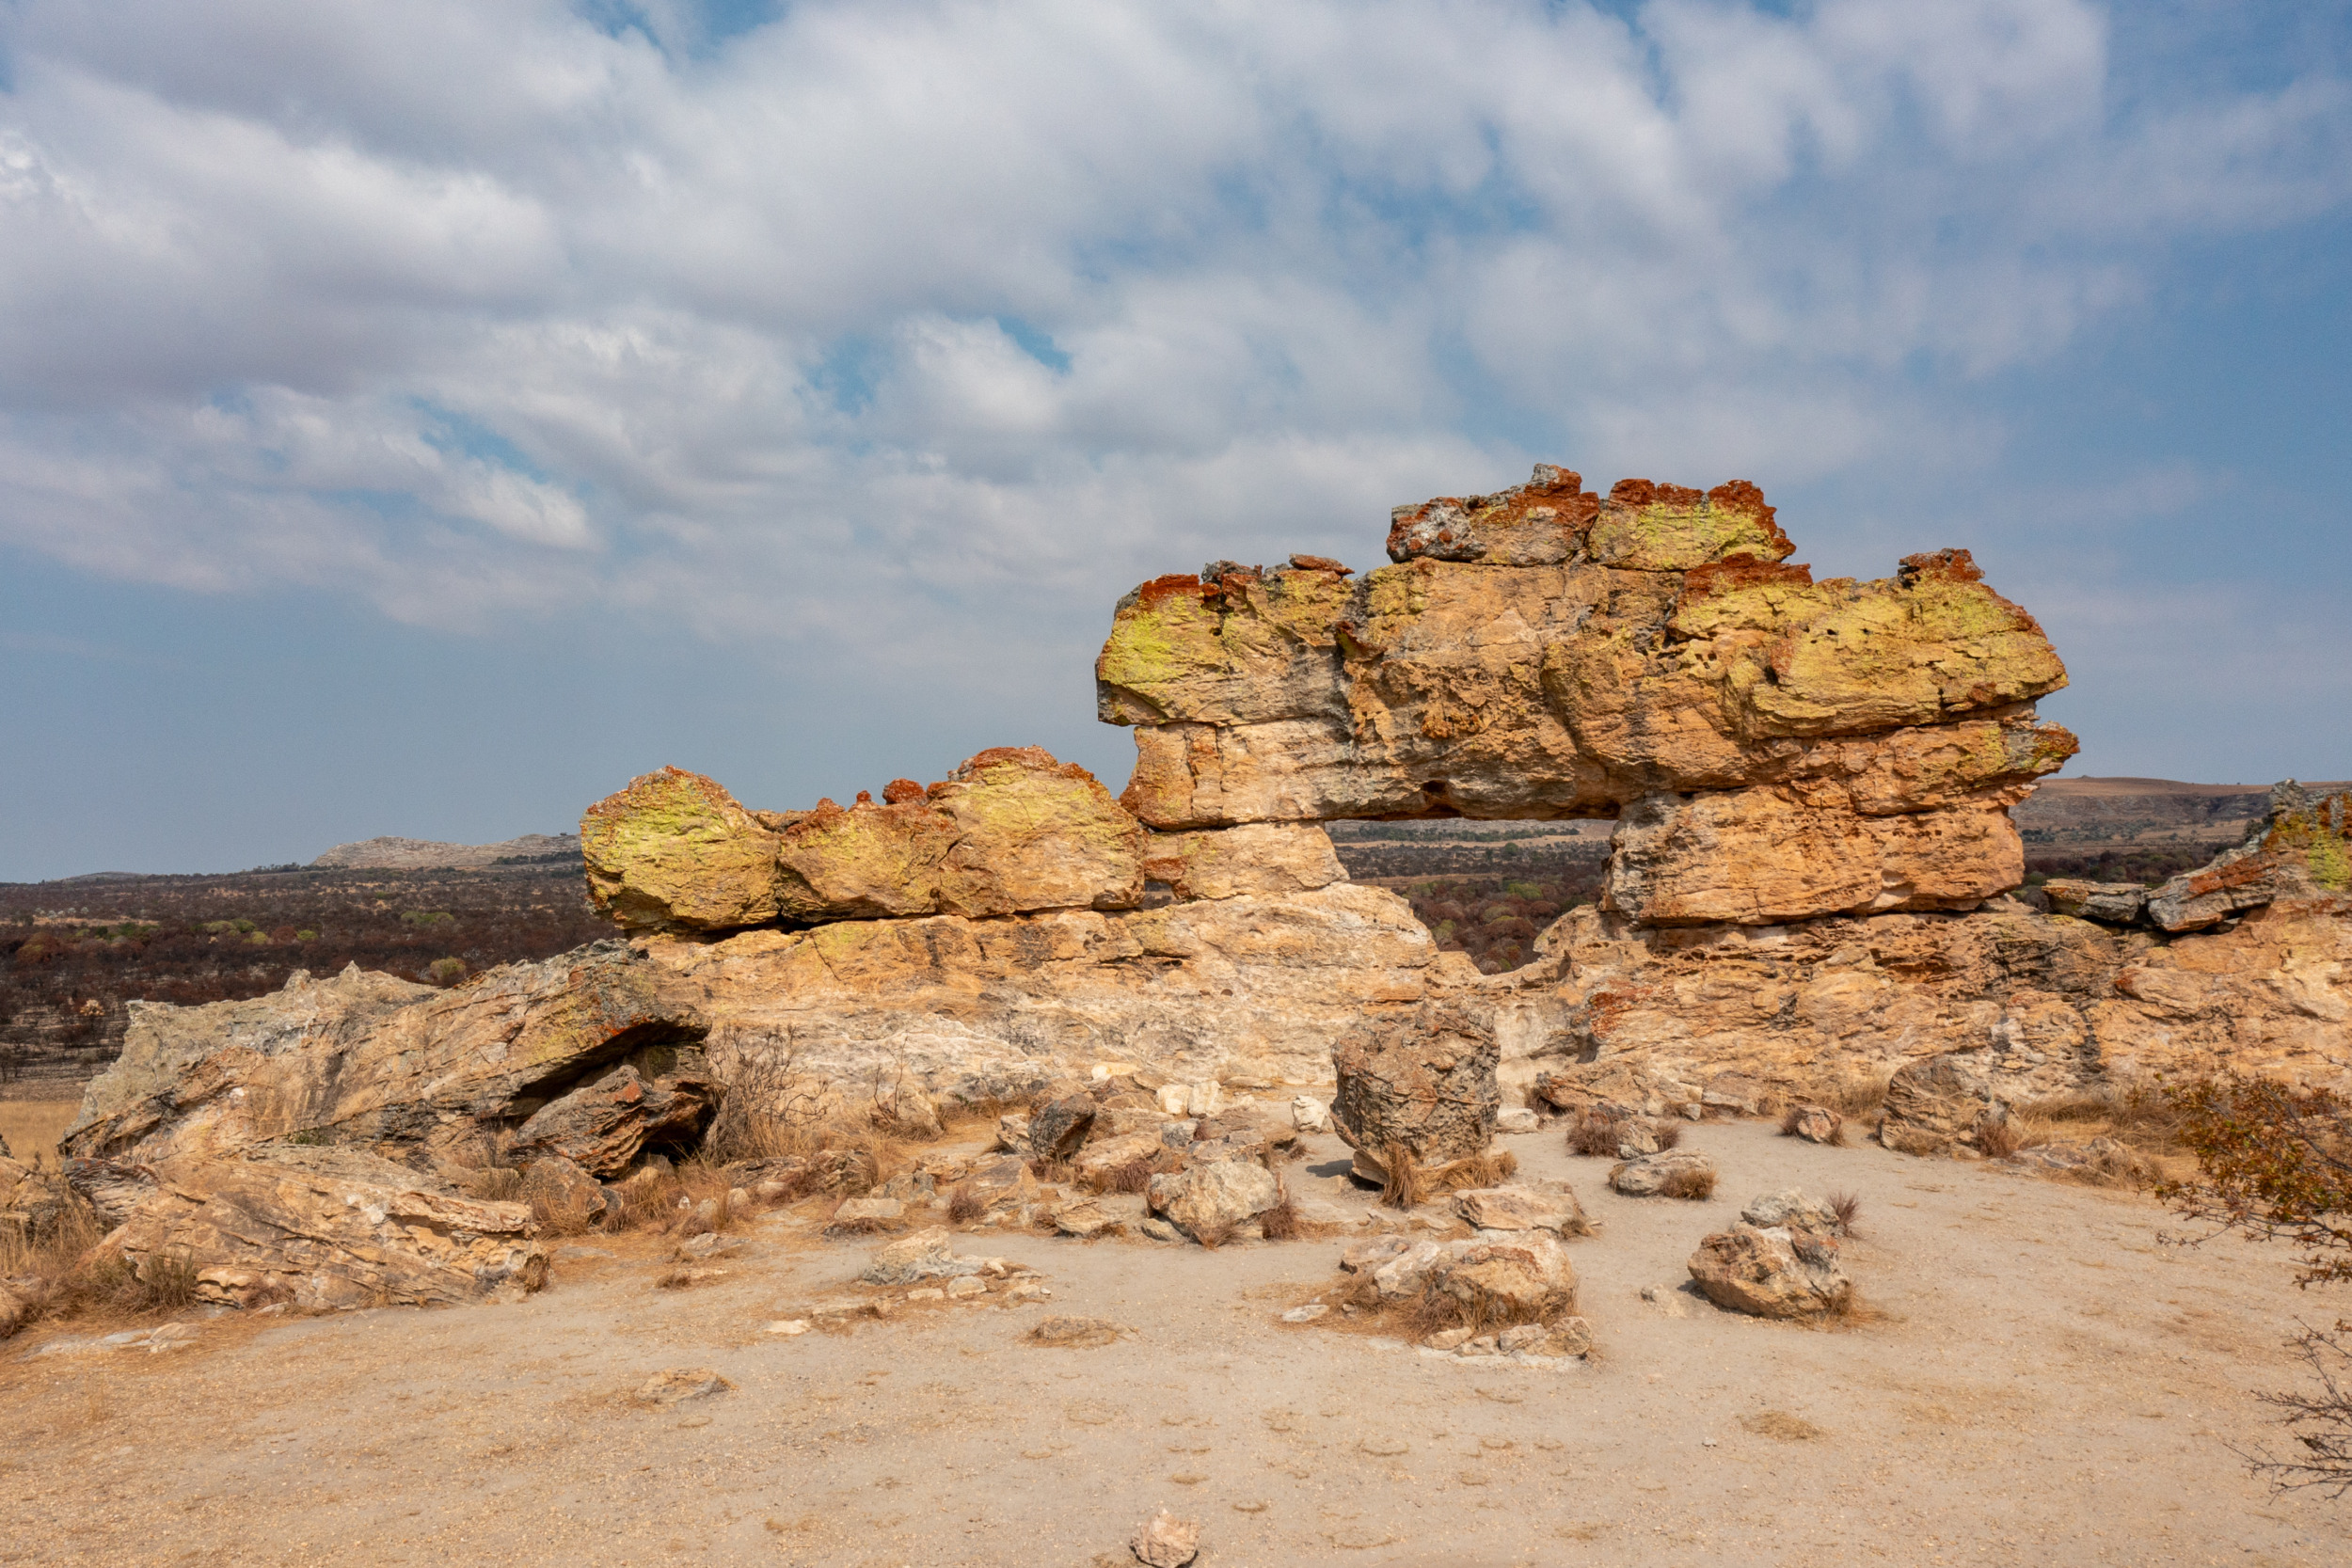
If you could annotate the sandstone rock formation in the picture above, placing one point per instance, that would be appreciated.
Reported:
(1008, 831)
(1811, 784)
(366, 1059)
(2301, 848)
(1543, 653)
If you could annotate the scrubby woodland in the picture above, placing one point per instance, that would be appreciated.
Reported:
(72, 953)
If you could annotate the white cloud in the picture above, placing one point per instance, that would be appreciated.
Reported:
(888, 324)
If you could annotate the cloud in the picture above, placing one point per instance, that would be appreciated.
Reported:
(884, 327)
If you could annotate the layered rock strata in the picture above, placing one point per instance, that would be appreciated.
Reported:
(1544, 653)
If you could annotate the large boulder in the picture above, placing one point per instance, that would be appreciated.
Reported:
(1211, 1198)
(365, 1058)
(674, 850)
(604, 1126)
(1938, 1104)
(1771, 1273)
(1424, 1079)
(325, 1228)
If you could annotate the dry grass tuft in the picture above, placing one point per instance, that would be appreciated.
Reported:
(59, 1275)
(1850, 1095)
(1403, 1189)
(1845, 1206)
(1059, 1172)
(1688, 1182)
(1781, 1427)
(1593, 1134)
(33, 1127)
(1214, 1236)
(964, 1206)
(1667, 1130)
(1133, 1177)
(1999, 1139)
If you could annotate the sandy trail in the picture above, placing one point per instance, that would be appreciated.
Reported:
(2045, 1383)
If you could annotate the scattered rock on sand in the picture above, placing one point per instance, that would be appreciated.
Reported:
(1816, 1124)
(1521, 1277)
(1534, 1206)
(1518, 1121)
(925, 1255)
(865, 1215)
(1653, 1174)
(1165, 1540)
(1067, 1333)
(1790, 1207)
(678, 1384)
(1310, 1115)
(1215, 1196)
(1055, 1130)
(1771, 1273)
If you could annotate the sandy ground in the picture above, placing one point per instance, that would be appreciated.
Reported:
(2041, 1381)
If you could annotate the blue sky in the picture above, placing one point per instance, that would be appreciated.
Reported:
(420, 419)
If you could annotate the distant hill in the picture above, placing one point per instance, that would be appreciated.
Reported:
(418, 854)
(2147, 811)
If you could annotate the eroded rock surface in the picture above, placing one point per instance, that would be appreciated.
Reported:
(327, 1228)
(1424, 1079)
(1542, 653)
(1010, 831)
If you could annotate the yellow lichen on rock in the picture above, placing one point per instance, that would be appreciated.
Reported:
(675, 850)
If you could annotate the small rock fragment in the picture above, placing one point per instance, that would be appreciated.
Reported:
(1305, 1314)
(1075, 1333)
(678, 1384)
(1165, 1540)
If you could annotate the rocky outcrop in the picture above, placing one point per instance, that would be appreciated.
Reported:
(368, 1060)
(1246, 986)
(603, 1127)
(1259, 858)
(1765, 856)
(2302, 849)
(321, 1229)
(2045, 1005)
(1544, 653)
(1010, 831)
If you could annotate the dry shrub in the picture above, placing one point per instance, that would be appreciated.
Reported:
(1133, 1177)
(1593, 1134)
(1852, 1094)
(1061, 1172)
(1845, 1206)
(495, 1184)
(671, 1200)
(1668, 1131)
(1282, 1223)
(1434, 1311)
(1403, 1189)
(562, 1209)
(1214, 1236)
(1686, 1182)
(1789, 1119)
(1999, 1137)
(964, 1206)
